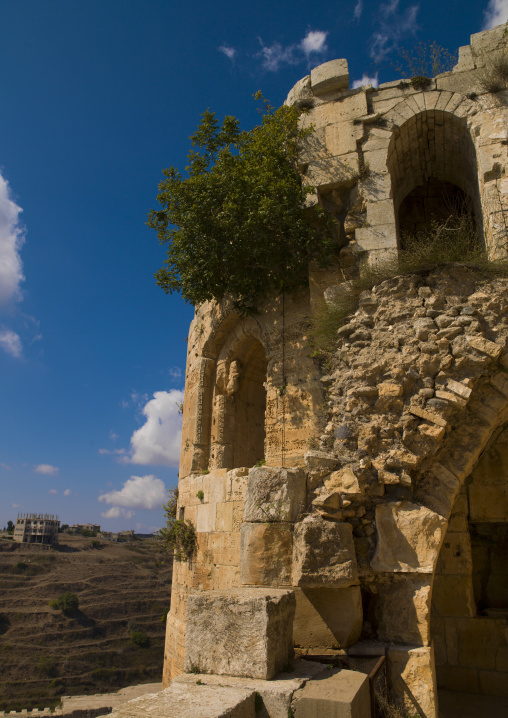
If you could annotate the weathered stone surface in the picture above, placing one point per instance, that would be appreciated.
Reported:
(345, 480)
(274, 494)
(411, 671)
(409, 536)
(266, 554)
(276, 694)
(323, 554)
(198, 701)
(327, 617)
(332, 75)
(341, 694)
(243, 632)
(403, 610)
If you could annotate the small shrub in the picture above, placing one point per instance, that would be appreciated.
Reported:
(68, 603)
(47, 666)
(199, 682)
(194, 669)
(165, 615)
(493, 76)
(4, 623)
(95, 544)
(420, 82)
(200, 495)
(261, 462)
(425, 60)
(21, 567)
(140, 639)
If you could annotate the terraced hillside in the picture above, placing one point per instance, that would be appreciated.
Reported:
(115, 639)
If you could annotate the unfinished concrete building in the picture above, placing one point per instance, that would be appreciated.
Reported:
(37, 528)
(364, 505)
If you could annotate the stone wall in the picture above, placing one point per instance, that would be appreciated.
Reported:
(360, 464)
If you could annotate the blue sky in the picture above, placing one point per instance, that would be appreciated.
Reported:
(96, 98)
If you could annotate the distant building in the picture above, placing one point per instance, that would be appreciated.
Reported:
(37, 528)
(81, 528)
(117, 536)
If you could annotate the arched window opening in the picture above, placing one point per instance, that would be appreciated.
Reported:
(434, 175)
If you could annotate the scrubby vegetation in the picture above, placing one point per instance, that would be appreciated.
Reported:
(179, 536)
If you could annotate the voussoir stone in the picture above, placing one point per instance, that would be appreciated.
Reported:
(274, 494)
(323, 554)
(239, 632)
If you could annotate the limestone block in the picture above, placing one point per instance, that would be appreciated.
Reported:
(332, 75)
(243, 632)
(323, 554)
(465, 61)
(300, 92)
(274, 494)
(337, 694)
(333, 172)
(412, 674)
(409, 536)
(383, 236)
(198, 701)
(493, 683)
(205, 518)
(321, 462)
(265, 554)
(457, 678)
(479, 639)
(403, 610)
(342, 137)
(378, 139)
(236, 483)
(345, 481)
(452, 595)
(224, 518)
(329, 501)
(380, 212)
(327, 617)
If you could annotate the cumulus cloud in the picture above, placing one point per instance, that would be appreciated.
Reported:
(314, 41)
(393, 26)
(10, 342)
(115, 512)
(46, 469)
(357, 12)
(157, 442)
(11, 240)
(229, 51)
(67, 492)
(496, 13)
(366, 80)
(275, 55)
(139, 492)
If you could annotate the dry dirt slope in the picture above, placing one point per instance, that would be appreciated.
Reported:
(44, 654)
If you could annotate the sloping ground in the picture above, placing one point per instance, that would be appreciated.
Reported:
(122, 588)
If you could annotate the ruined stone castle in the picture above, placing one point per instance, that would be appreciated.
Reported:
(366, 503)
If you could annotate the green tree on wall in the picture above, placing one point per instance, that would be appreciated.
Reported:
(237, 222)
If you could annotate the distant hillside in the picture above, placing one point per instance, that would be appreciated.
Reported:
(123, 589)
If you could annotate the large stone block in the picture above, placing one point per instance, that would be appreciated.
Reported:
(323, 554)
(337, 694)
(327, 617)
(332, 75)
(239, 632)
(198, 701)
(409, 536)
(274, 494)
(403, 610)
(412, 675)
(265, 554)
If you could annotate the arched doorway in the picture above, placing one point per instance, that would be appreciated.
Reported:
(469, 615)
(434, 175)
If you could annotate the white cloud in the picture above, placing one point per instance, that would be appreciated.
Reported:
(15, 506)
(11, 240)
(275, 55)
(229, 51)
(314, 41)
(5, 466)
(52, 491)
(366, 80)
(111, 451)
(67, 492)
(46, 469)
(175, 373)
(157, 442)
(393, 26)
(113, 436)
(10, 341)
(357, 12)
(115, 512)
(496, 13)
(140, 492)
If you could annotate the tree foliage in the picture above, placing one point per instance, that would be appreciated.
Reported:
(236, 223)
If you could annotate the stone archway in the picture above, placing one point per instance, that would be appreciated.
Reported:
(470, 591)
